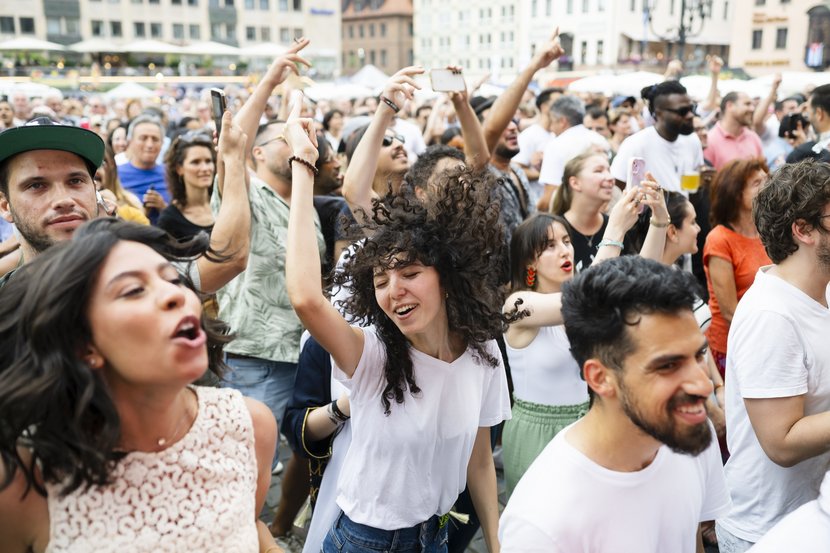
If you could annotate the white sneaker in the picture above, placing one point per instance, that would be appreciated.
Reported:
(278, 468)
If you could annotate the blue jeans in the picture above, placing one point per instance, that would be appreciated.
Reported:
(347, 536)
(271, 382)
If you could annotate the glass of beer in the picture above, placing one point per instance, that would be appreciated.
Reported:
(690, 181)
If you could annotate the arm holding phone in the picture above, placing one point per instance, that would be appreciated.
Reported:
(476, 153)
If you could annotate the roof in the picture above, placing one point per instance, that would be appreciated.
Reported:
(360, 9)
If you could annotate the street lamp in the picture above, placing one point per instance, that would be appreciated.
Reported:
(692, 15)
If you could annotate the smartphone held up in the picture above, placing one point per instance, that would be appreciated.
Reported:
(218, 106)
(447, 80)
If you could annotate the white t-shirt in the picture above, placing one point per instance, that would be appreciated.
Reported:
(531, 140)
(560, 150)
(778, 347)
(404, 468)
(667, 161)
(805, 530)
(545, 372)
(567, 503)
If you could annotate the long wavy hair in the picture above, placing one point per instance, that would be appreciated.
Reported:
(51, 402)
(457, 231)
(174, 158)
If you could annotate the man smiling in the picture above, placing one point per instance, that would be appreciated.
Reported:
(639, 471)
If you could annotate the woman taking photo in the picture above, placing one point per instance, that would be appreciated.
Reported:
(426, 379)
(733, 252)
(105, 444)
(106, 179)
(190, 164)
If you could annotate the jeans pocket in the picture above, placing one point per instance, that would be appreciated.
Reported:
(247, 373)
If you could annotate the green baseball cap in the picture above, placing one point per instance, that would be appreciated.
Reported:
(44, 134)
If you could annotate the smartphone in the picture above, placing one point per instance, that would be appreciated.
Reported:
(217, 98)
(635, 175)
(447, 80)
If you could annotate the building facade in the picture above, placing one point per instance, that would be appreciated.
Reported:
(377, 32)
(235, 22)
(776, 36)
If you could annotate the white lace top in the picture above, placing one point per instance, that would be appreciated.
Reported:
(196, 495)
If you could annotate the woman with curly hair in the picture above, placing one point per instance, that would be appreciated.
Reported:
(105, 444)
(426, 381)
(733, 252)
(190, 164)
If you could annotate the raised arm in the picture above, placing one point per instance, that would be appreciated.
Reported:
(303, 278)
(250, 113)
(541, 310)
(231, 233)
(357, 183)
(713, 98)
(761, 113)
(476, 153)
(655, 241)
(508, 101)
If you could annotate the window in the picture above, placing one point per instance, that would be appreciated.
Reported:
(285, 35)
(73, 26)
(175, 2)
(298, 33)
(351, 31)
(757, 38)
(7, 25)
(152, 1)
(781, 38)
(135, 1)
(230, 31)
(115, 29)
(96, 24)
(583, 51)
(671, 7)
(633, 6)
(265, 34)
(194, 31)
(411, 29)
(585, 7)
(383, 58)
(534, 8)
(600, 5)
(53, 25)
(569, 6)
(215, 31)
(27, 25)
(138, 29)
(283, 5)
(360, 31)
(229, 3)
(249, 4)
(178, 31)
(726, 9)
(192, 2)
(298, 5)
(155, 30)
(371, 29)
(372, 57)
(600, 50)
(264, 5)
(383, 29)
(760, 2)
(250, 33)
(548, 7)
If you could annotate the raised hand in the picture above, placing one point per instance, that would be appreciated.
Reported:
(299, 131)
(285, 64)
(715, 64)
(652, 196)
(401, 86)
(549, 52)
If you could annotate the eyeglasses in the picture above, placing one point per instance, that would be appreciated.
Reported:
(684, 111)
(387, 140)
(278, 137)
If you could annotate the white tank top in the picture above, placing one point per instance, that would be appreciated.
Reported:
(196, 495)
(545, 372)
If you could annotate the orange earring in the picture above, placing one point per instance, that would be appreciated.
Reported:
(530, 279)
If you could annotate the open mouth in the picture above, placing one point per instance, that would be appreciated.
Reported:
(567, 266)
(404, 310)
(692, 413)
(188, 329)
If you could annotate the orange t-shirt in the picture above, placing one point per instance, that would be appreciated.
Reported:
(747, 255)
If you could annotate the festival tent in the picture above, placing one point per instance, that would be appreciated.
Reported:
(129, 90)
(626, 84)
(210, 48)
(334, 91)
(94, 46)
(370, 77)
(150, 47)
(263, 50)
(793, 81)
(30, 45)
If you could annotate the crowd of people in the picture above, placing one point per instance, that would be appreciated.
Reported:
(619, 302)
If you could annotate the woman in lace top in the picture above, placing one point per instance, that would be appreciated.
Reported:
(104, 443)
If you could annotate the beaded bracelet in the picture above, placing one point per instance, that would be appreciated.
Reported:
(608, 242)
(655, 223)
(305, 162)
(392, 105)
(338, 413)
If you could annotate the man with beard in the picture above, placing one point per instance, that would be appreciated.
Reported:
(778, 393)
(732, 137)
(670, 147)
(640, 470)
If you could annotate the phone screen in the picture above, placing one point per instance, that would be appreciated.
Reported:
(636, 174)
(217, 98)
(445, 80)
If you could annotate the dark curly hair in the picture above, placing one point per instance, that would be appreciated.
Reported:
(603, 301)
(174, 158)
(421, 173)
(456, 231)
(795, 192)
(51, 402)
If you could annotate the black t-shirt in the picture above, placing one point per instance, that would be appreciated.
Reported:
(805, 151)
(335, 219)
(177, 225)
(585, 247)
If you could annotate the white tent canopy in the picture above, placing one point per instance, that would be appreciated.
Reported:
(369, 76)
(30, 45)
(263, 50)
(129, 90)
(698, 87)
(150, 47)
(32, 90)
(210, 48)
(94, 46)
(627, 84)
(333, 91)
(793, 81)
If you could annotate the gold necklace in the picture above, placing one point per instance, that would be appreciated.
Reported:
(161, 442)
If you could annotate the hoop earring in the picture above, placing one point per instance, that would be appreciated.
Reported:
(530, 279)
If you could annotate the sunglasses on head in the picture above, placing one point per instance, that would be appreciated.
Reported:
(196, 136)
(684, 111)
(387, 140)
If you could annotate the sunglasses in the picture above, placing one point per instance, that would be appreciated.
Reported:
(684, 111)
(278, 137)
(196, 136)
(387, 140)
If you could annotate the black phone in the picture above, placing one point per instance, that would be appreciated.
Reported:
(217, 98)
(789, 124)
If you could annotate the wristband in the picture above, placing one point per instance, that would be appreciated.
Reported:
(392, 105)
(307, 163)
(609, 242)
(335, 420)
(338, 413)
(655, 223)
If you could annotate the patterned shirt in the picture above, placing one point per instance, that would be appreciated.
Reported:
(255, 303)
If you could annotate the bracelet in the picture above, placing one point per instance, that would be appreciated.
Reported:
(392, 105)
(338, 413)
(609, 242)
(655, 223)
(305, 162)
(335, 420)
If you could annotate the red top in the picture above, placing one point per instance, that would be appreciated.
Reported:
(746, 255)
